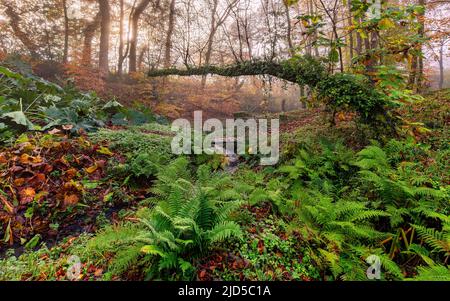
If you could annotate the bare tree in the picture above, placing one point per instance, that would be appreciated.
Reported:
(89, 33)
(216, 22)
(23, 36)
(105, 30)
(66, 32)
(168, 44)
(136, 15)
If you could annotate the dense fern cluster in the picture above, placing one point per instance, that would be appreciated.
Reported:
(186, 220)
(349, 206)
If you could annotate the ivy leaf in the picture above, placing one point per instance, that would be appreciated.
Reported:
(333, 56)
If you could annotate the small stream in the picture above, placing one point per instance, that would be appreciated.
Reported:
(228, 152)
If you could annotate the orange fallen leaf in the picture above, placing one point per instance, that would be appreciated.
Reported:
(71, 173)
(98, 273)
(3, 159)
(70, 200)
(92, 169)
(39, 178)
(24, 159)
(19, 182)
(27, 195)
(37, 160)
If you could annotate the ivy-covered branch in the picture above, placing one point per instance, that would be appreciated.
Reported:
(339, 92)
(300, 70)
(241, 69)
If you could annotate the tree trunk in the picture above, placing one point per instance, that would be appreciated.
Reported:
(134, 34)
(141, 57)
(289, 29)
(105, 30)
(212, 33)
(421, 32)
(350, 35)
(89, 33)
(66, 33)
(168, 46)
(121, 44)
(441, 66)
(14, 22)
(413, 73)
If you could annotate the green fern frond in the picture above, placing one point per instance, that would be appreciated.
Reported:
(433, 273)
(223, 231)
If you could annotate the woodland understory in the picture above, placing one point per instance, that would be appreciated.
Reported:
(88, 179)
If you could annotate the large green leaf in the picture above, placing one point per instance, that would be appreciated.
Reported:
(16, 120)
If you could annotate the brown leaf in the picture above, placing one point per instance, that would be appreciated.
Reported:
(261, 247)
(8, 206)
(16, 169)
(67, 127)
(54, 131)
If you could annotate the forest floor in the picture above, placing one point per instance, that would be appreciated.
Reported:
(60, 190)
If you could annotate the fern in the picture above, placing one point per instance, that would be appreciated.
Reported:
(187, 219)
(433, 273)
(438, 240)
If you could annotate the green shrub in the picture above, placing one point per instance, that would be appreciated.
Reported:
(349, 92)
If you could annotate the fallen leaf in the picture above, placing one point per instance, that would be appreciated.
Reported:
(37, 179)
(70, 200)
(24, 159)
(54, 131)
(8, 206)
(19, 182)
(91, 169)
(261, 246)
(36, 160)
(3, 159)
(16, 169)
(73, 185)
(40, 195)
(98, 273)
(105, 151)
(27, 195)
(47, 168)
(71, 173)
